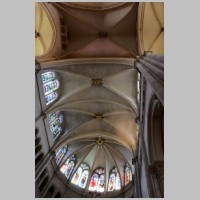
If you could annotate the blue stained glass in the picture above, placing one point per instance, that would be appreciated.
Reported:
(47, 76)
(57, 132)
(60, 154)
(69, 169)
(118, 182)
(50, 86)
(83, 180)
(51, 98)
(53, 116)
(100, 187)
(55, 124)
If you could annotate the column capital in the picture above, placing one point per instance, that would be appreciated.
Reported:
(137, 120)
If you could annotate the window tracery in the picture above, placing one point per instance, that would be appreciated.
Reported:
(81, 175)
(50, 86)
(68, 166)
(114, 180)
(55, 120)
(97, 181)
(60, 154)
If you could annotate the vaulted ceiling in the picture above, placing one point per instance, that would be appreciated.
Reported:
(98, 100)
(44, 30)
(151, 27)
(104, 32)
(98, 82)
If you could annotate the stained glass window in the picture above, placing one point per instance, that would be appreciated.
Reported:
(68, 166)
(69, 169)
(55, 120)
(114, 180)
(47, 76)
(55, 124)
(57, 132)
(128, 174)
(63, 168)
(83, 179)
(77, 176)
(53, 116)
(97, 181)
(60, 154)
(93, 182)
(51, 97)
(81, 176)
(50, 86)
(111, 185)
(117, 182)
(100, 186)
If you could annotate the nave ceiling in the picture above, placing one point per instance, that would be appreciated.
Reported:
(81, 102)
(88, 42)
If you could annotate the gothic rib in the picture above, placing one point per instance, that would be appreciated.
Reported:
(75, 17)
(157, 37)
(82, 160)
(40, 17)
(121, 154)
(96, 134)
(122, 47)
(110, 28)
(115, 164)
(65, 136)
(122, 96)
(156, 14)
(120, 131)
(91, 171)
(63, 100)
(84, 147)
(96, 9)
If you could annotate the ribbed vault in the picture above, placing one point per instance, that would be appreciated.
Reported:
(110, 32)
(97, 100)
(151, 27)
(98, 85)
(44, 30)
(108, 155)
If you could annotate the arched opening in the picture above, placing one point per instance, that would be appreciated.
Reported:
(156, 145)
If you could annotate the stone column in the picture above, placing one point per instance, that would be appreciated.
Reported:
(43, 164)
(157, 176)
(151, 67)
(136, 182)
(144, 158)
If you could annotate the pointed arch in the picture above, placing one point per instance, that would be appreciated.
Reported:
(97, 181)
(68, 166)
(50, 86)
(60, 154)
(55, 120)
(114, 180)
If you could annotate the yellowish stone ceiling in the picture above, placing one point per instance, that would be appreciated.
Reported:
(151, 27)
(44, 30)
